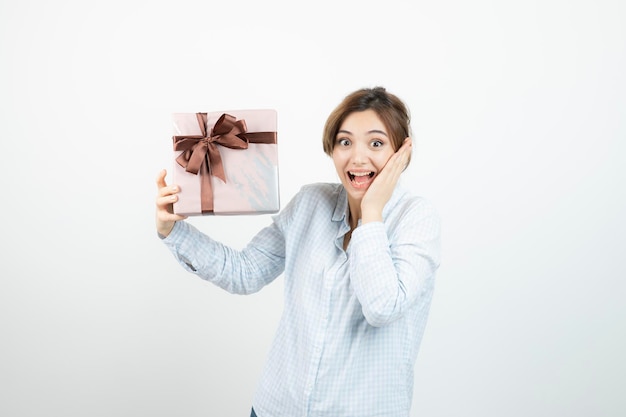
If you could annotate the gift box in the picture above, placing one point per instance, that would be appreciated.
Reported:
(226, 163)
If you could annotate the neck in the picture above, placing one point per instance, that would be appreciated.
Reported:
(355, 213)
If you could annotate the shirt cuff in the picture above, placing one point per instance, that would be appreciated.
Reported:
(370, 237)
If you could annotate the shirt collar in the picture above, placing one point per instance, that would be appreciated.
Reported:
(341, 208)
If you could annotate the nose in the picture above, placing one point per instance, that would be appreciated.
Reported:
(359, 154)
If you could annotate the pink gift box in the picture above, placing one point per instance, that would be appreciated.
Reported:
(226, 162)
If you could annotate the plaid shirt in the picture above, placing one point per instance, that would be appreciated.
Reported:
(353, 320)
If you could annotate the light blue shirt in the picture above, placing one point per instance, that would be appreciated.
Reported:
(353, 320)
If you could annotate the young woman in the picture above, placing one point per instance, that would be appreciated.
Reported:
(359, 260)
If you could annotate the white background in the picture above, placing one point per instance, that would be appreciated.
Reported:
(519, 112)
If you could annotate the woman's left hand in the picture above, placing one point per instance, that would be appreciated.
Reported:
(379, 192)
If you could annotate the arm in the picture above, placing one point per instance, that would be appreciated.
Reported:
(236, 271)
(241, 272)
(392, 265)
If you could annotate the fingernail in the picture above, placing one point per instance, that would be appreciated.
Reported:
(173, 198)
(174, 188)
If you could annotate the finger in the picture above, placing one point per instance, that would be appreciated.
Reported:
(164, 189)
(405, 153)
(394, 168)
(165, 201)
(160, 180)
(168, 190)
(407, 146)
(401, 158)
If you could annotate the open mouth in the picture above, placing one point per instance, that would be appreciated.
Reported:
(360, 178)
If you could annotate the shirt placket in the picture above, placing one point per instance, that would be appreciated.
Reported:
(318, 346)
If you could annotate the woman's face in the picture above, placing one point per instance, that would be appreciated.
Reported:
(362, 148)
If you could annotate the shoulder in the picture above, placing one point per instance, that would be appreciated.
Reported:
(409, 209)
(414, 220)
(320, 191)
(315, 198)
(420, 204)
(405, 199)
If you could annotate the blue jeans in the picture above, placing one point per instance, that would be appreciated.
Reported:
(252, 413)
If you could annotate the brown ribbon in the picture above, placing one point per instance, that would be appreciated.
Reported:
(201, 156)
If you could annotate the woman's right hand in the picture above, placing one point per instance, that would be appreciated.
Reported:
(166, 196)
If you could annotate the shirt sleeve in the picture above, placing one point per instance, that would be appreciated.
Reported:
(393, 265)
(236, 271)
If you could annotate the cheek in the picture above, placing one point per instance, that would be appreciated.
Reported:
(382, 160)
(337, 163)
(339, 159)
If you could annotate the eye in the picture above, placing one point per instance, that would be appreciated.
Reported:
(377, 143)
(343, 142)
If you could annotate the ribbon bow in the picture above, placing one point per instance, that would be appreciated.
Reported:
(200, 154)
(200, 151)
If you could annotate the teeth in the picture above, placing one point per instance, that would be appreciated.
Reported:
(359, 174)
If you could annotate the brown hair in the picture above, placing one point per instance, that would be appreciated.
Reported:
(392, 112)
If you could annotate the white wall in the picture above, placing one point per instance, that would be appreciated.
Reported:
(518, 112)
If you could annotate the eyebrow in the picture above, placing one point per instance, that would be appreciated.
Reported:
(368, 132)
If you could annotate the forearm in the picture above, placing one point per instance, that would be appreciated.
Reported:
(387, 281)
(236, 271)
